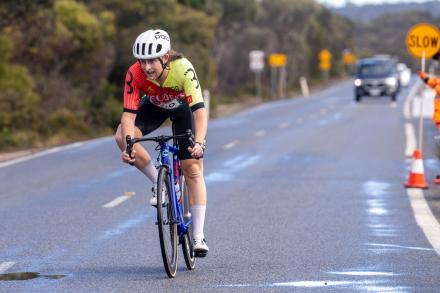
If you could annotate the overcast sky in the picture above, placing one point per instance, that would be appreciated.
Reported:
(339, 3)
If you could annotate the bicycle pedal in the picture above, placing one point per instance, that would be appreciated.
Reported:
(200, 254)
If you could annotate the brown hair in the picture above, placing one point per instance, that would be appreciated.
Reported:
(175, 55)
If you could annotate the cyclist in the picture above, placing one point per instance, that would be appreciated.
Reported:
(171, 90)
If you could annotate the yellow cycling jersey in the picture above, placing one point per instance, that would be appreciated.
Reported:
(180, 86)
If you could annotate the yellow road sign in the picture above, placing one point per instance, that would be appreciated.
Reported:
(325, 65)
(277, 60)
(325, 60)
(348, 58)
(325, 55)
(423, 37)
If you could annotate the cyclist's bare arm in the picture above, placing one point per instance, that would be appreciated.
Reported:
(127, 128)
(201, 126)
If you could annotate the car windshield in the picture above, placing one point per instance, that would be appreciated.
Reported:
(379, 69)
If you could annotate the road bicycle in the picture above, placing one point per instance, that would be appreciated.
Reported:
(173, 216)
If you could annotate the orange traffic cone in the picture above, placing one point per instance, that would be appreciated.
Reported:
(416, 176)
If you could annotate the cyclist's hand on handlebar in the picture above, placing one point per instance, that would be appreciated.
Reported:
(197, 150)
(126, 158)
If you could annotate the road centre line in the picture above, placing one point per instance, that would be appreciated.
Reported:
(231, 144)
(260, 133)
(4, 266)
(284, 125)
(117, 201)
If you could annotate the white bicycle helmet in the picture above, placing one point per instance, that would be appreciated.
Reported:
(151, 44)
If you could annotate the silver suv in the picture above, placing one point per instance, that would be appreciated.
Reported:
(377, 76)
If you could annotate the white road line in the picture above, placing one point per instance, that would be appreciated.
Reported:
(4, 266)
(410, 139)
(231, 144)
(422, 213)
(117, 201)
(409, 98)
(284, 125)
(425, 218)
(260, 133)
(40, 154)
(406, 109)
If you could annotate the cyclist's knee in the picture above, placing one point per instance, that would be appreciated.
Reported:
(192, 170)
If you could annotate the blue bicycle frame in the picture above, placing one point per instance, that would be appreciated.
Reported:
(164, 157)
(169, 165)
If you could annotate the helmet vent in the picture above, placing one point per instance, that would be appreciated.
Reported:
(137, 48)
(158, 48)
(150, 47)
(143, 48)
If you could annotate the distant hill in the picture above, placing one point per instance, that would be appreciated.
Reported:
(368, 12)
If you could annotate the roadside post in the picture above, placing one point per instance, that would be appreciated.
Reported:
(325, 63)
(348, 59)
(304, 87)
(256, 64)
(277, 63)
(207, 101)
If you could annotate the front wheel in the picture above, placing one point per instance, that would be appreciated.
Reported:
(166, 224)
(187, 239)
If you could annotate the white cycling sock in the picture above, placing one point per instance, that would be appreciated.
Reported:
(150, 171)
(198, 218)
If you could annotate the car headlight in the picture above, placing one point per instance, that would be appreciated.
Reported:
(391, 81)
(357, 82)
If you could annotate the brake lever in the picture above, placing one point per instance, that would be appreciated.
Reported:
(129, 147)
(190, 137)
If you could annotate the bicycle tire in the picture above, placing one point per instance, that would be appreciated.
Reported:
(166, 225)
(187, 239)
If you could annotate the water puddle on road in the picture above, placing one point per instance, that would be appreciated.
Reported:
(376, 188)
(23, 276)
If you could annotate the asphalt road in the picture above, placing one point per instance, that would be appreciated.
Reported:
(303, 195)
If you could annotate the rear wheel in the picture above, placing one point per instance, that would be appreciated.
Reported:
(394, 97)
(187, 239)
(166, 224)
